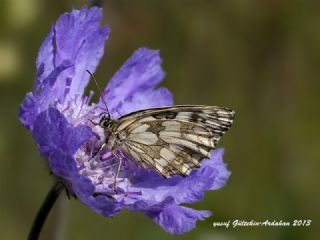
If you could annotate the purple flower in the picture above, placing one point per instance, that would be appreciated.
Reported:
(60, 119)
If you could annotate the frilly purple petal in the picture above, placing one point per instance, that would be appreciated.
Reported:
(42, 97)
(27, 111)
(45, 60)
(176, 219)
(62, 165)
(53, 132)
(101, 205)
(141, 73)
(217, 165)
(79, 39)
(143, 100)
(75, 44)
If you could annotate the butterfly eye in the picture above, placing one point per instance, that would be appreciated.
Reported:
(105, 122)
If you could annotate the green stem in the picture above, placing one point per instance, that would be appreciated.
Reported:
(44, 210)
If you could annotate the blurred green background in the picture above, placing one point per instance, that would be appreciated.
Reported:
(259, 57)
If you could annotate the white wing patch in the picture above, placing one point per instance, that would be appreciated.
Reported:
(167, 154)
(140, 129)
(146, 138)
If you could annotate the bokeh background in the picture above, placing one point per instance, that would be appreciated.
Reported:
(259, 57)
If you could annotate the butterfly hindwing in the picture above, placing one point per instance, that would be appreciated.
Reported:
(172, 140)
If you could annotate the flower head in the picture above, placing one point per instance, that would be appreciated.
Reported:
(60, 118)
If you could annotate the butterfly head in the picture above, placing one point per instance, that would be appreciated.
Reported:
(105, 121)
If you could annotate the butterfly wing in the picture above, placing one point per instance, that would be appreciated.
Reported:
(172, 140)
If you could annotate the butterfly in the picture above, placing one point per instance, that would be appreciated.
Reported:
(171, 140)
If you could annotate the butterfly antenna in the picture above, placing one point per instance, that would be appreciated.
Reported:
(99, 89)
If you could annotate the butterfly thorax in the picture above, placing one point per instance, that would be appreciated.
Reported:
(110, 133)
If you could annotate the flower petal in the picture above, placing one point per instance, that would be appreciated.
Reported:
(216, 164)
(75, 44)
(101, 205)
(176, 219)
(79, 39)
(83, 188)
(143, 100)
(62, 165)
(53, 132)
(27, 111)
(141, 73)
(43, 96)
(45, 59)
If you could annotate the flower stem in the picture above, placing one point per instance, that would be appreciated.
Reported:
(44, 210)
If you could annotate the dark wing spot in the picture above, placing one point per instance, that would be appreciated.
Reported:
(165, 115)
(196, 118)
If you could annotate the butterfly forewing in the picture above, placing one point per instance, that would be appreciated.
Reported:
(171, 140)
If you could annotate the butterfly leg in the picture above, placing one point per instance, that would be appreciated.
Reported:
(98, 151)
(120, 158)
